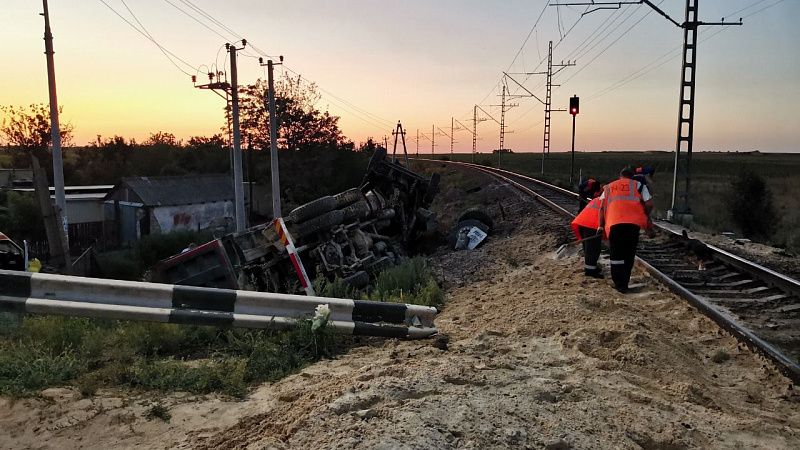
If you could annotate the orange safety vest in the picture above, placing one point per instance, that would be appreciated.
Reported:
(624, 204)
(589, 217)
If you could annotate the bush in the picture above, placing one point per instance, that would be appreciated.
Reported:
(410, 282)
(131, 264)
(751, 206)
(155, 247)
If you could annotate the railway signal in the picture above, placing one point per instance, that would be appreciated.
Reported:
(574, 105)
(573, 109)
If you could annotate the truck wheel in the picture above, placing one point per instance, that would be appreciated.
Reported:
(356, 211)
(469, 223)
(317, 224)
(312, 209)
(348, 197)
(477, 214)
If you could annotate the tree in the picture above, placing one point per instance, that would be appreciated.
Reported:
(27, 130)
(301, 126)
(162, 139)
(751, 206)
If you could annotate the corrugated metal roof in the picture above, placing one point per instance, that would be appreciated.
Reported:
(180, 190)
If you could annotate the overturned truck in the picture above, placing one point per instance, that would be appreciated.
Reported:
(352, 235)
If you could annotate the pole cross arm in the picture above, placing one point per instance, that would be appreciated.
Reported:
(464, 127)
(524, 88)
(487, 114)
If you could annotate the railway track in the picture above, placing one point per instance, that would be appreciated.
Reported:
(759, 306)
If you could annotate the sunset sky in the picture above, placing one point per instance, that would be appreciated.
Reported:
(421, 62)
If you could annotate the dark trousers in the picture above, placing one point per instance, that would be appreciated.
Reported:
(591, 250)
(622, 239)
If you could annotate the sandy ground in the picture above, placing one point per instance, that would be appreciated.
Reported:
(532, 355)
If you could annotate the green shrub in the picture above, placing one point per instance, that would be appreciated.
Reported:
(751, 206)
(410, 282)
(118, 265)
(155, 247)
(158, 411)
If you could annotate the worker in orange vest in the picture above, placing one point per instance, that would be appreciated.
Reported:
(624, 210)
(585, 227)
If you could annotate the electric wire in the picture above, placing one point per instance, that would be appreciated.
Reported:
(163, 49)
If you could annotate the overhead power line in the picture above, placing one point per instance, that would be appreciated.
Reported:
(169, 54)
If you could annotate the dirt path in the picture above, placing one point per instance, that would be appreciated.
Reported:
(537, 357)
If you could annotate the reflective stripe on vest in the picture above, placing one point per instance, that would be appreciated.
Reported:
(589, 217)
(624, 204)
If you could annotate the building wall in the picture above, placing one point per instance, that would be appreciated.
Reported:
(165, 219)
(85, 211)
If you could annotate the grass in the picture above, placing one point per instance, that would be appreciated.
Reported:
(158, 411)
(91, 354)
(410, 282)
(720, 356)
(712, 174)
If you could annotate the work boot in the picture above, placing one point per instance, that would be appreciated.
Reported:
(594, 274)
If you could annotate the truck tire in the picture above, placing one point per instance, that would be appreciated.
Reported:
(312, 209)
(356, 211)
(469, 223)
(348, 197)
(479, 215)
(317, 224)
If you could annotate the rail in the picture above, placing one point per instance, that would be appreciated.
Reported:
(731, 268)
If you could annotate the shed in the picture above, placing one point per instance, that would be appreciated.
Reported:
(149, 205)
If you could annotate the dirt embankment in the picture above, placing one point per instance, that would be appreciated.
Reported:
(537, 357)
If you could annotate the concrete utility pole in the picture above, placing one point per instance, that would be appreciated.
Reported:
(273, 138)
(55, 130)
(238, 188)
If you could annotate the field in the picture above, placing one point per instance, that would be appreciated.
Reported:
(712, 174)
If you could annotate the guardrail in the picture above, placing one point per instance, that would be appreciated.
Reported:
(38, 293)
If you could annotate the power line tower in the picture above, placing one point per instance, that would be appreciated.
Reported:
(433, 139)
(399, 131)
(548, 99)
(680, 210)
(475, 120)
(505, 107)
(417, 141)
